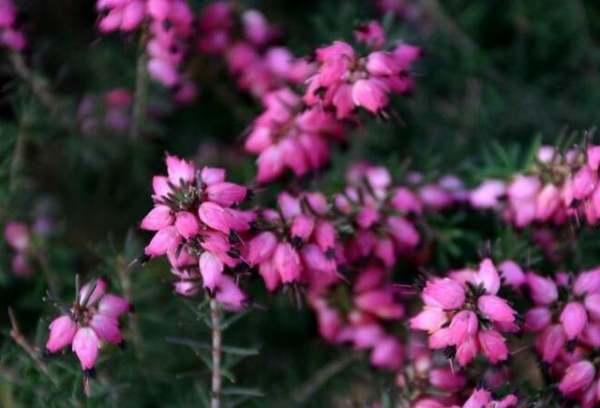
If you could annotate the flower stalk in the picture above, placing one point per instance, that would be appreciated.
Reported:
(215, 318)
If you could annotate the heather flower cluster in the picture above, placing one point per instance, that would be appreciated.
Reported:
(11, 32)
(468, 300)
(295, 131)
(170, 28)
(91, 322)
(200, 230)
(244, 39)
(557, 188)
(345, 80)
(110, 112)
(566, 322)
(286, 136)
(376, 223)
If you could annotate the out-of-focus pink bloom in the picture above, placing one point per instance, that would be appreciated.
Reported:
(584, 183)
(543, 290)
(537, 319)
(229, 294)
(370, 34)
(512, 274)
(551, 342)
(487, 194)
(387, 353)
(481, 398)
(446, 379)
(17, 235)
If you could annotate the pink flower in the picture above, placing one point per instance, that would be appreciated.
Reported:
(548, 200)
(91, 320)
(577, 377)
(187, 224)
(537, 319)
(371, 94)
(261, 247)
(287, 263)
(387, 353)
(584, 183)
(464, 325)
(446, 379)
(593, 157)
(573, 319)
(211, 269)
(85, 345)
(493, 345)
(229, 294)
(551, 342)
(180, 171)
(371, 34)
(165, 240)
(512, 274)
(226, 194)
(17, 235)
(496, 309)
(488, 276)
(543, 291)
(487, 194)
(158, 218)
(430, 319)
(62, 331)
(587, 282)
(466, 351)
(444, 293)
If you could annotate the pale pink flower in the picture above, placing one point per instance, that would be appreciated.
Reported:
(93, 319)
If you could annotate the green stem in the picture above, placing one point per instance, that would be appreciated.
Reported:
(141, 91)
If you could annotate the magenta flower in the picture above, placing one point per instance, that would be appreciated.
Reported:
(577, 377)
(198, 228)
(11, 34)
(463, 299)
(92, 320)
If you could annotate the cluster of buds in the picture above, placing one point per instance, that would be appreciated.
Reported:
(243, 39)
(171, 28)
(559, 186)
(468, 300)
(358, 312)
(11, 34)
(377, 215)
(426, 380)
(374, 228)
(110, 112)
(345, 80)
(297, 243)
(199, 229)
(91, 321)
(566, 320)
(288, 136)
